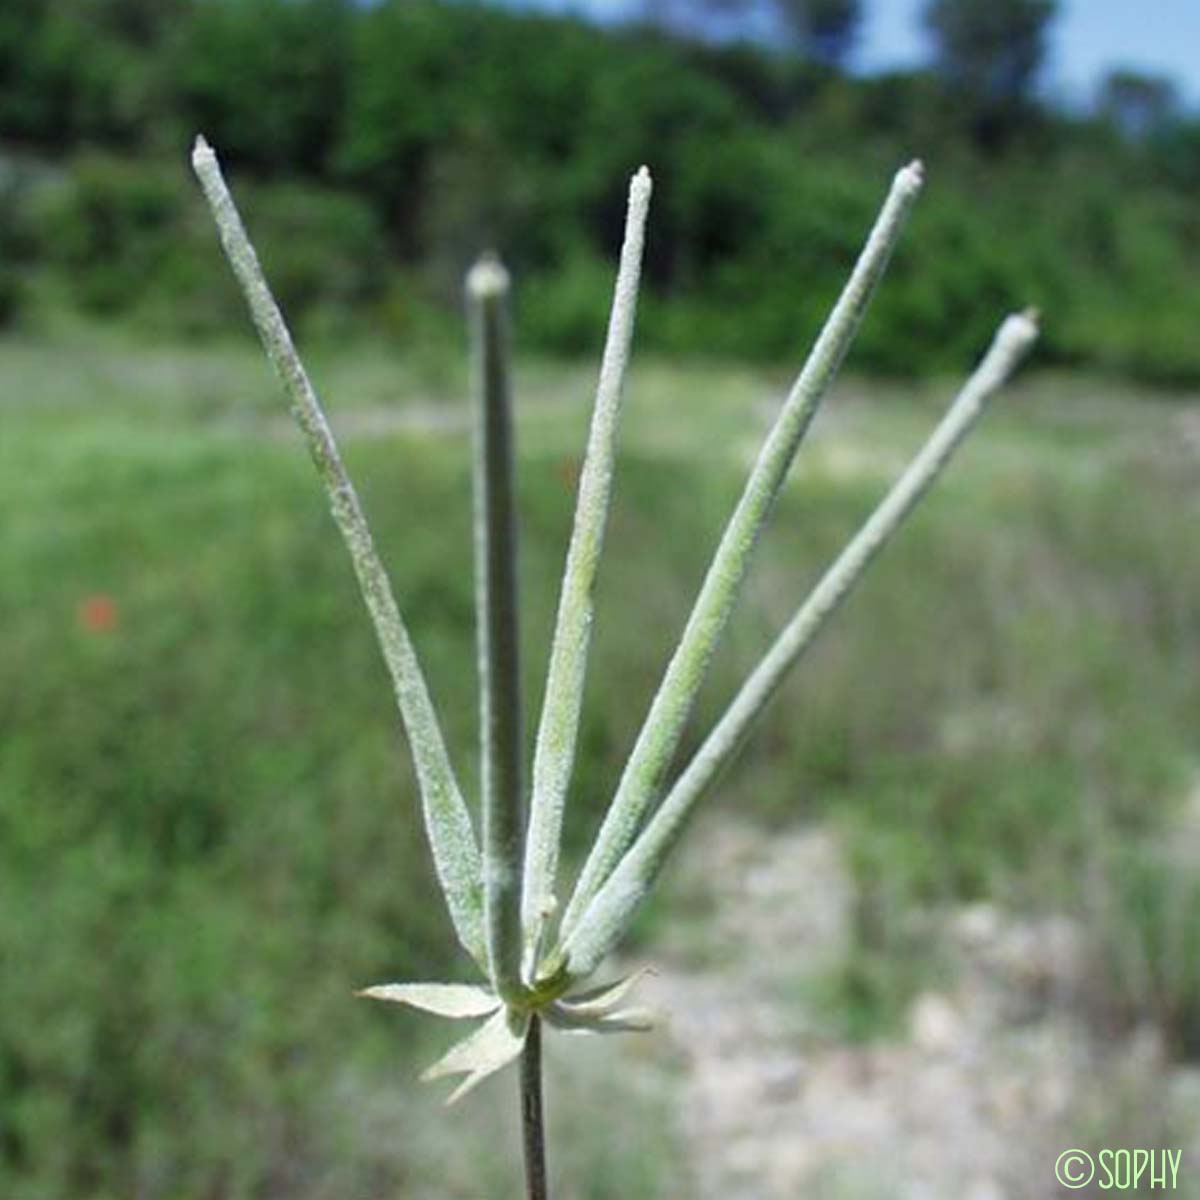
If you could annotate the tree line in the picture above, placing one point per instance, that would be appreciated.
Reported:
(382, 145)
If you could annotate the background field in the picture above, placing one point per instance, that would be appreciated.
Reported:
(941, 920)
(210, 835)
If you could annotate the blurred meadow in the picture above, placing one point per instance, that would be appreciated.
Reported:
(942, 919)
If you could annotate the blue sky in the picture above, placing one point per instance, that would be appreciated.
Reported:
(1090, 36)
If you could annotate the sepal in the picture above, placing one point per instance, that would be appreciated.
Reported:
(455, 1000)
(628, 1020)
(496, 1043)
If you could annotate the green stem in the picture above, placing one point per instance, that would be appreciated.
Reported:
(659, 737)
(563, 701)
(610, 912)
(532, 1120)
(496, 616)
(447, 821)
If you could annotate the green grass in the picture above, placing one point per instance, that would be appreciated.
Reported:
(208, 832)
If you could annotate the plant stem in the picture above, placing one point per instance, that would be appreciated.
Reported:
(532, 1123)
(660, 734)
(496, 616)
(610, 912)
(563, 701)
(447, 821)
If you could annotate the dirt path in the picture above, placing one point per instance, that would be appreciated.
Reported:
(992, 1078)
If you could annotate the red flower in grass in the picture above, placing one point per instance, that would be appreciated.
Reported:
(97, 613)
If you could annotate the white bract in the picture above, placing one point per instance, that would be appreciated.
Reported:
(504, 902)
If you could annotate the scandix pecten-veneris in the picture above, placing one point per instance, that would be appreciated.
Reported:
(501, 889)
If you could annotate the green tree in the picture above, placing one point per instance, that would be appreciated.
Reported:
(267, 78)
(826, 29)
(1136, 103)
(76, 70)
(991, 51)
